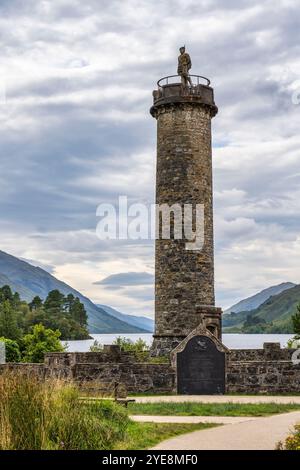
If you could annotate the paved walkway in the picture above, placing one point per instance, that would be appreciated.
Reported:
(191, 419)
(256, 434)
(217, 399)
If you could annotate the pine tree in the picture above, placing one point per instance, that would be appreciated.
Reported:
(8, 321)
(78, 312)
(69, 302)
(296, 321)
(36, 303)
(6, 294)
(54, 303)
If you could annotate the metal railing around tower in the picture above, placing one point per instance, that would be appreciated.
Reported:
(170, 80)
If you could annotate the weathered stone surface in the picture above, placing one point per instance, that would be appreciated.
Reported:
(138, 377)
(184, 279)
(104, 368)
(267, 370)
(271, 351)
(37, 370)
(247, 371)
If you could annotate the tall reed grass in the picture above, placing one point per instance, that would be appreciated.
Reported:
(48, 415)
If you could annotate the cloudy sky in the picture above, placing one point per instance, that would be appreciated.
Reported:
(76, 86)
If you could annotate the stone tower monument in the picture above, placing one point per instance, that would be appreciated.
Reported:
(184, 279)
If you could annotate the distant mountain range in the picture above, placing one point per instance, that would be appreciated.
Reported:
(30, 281)
(141, 322)
(256, 300)
(268, 311)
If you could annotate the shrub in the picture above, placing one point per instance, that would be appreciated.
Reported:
(96, 347)
(294, 343)
(36, 415)
(39, 342)
(12, 350)
(292, 442)
(139, 348)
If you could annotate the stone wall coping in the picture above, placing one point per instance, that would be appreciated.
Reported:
(100, 364)
(35, 364)
(261, 361)
(201, 331)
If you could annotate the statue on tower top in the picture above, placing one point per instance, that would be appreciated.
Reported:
(184, 65)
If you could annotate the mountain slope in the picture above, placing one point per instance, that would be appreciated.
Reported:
(25, 293)
(29, 281)
(279, 308)
(258, 299)
(274, 315)
(141, 322)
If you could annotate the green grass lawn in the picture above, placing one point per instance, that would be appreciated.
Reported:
(210, 409)
(146, 435)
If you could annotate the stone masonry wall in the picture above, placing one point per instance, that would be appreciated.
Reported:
(137, 377)
(268, 370)
(184, 278)
(111, 366)
(263, 377)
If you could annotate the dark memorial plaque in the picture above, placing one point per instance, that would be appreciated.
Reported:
(201, 368)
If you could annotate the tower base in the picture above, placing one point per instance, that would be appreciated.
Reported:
(209, 316)
(163, 344)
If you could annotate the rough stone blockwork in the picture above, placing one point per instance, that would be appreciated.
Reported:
(184, 279)
(268, 370)
(105, 367)
(110, 366)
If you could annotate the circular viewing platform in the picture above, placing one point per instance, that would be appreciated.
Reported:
(171, 79)
(171, 92)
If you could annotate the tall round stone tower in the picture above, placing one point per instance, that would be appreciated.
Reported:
(184, 278)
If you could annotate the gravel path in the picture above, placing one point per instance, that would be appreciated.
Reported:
(255, 434)
(218, 399)
(191, 419)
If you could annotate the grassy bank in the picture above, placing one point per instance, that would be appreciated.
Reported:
(146, 435)
(38, 415)
(210, 409)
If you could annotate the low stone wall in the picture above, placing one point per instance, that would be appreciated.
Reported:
(109, 366)
(136, 377)
(270, 352)
(263, 377)
(110, 354)
(267, 370)
(38, 370)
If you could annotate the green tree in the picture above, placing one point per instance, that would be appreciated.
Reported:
(16, 301)
(39, 342)
(12, 350)
(9, 321)
(78, 312)
(69, 302)
(36, 303)
(6, 294)
(296, 322)
(54, 303)
(66, 314)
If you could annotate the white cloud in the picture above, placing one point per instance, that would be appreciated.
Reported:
(76, 131)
